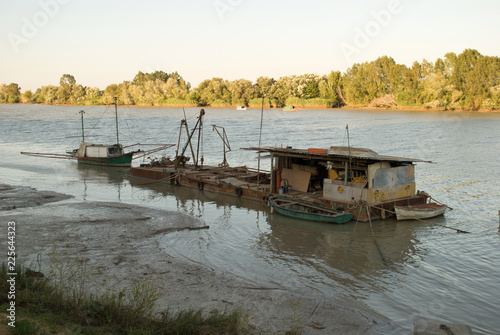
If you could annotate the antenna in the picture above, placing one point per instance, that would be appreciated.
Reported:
(260, 138)
(83, 130)
(116, 115)
(347, 164)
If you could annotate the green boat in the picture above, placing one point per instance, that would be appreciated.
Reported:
(103, 155)
(307, 211)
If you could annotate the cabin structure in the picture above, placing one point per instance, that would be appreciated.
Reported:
(356, 180)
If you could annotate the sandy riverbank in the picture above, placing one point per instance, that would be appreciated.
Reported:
(345, 107)
(119, 244)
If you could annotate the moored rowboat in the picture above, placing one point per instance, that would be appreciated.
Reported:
(422, 211)
(307, 211)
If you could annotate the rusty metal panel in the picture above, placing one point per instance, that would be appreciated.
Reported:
(336, 190)
(390, 193)
(392, 177)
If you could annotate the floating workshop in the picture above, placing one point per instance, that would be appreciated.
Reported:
(355, 180)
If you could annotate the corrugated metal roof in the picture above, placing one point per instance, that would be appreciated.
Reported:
(339, 153)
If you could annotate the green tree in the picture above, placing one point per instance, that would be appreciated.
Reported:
(3, 93)
(242, 91)
(65, 91)
(111, 92)
(28, 97)
(93, 95)
(13, 93)
(331, 87)
(67, 80)
(212, 90)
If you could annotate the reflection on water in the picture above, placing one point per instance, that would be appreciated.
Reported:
(401, 269)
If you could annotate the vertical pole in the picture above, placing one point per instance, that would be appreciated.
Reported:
(116, 116)
(260, 138)
(349, 146)
(345, 174)
(224, 163)
(179, 140)
(189, 137)
(200, 134)
(83, 130)
(271, 186)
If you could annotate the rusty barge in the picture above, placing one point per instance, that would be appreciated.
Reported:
(238, 181)
(355, 180)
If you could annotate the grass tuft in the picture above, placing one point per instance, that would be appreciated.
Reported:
(46, 305)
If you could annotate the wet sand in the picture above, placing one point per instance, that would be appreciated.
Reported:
(119, 244)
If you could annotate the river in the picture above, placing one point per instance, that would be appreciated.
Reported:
(403, 270)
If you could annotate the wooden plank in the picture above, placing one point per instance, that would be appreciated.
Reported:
(299, 180)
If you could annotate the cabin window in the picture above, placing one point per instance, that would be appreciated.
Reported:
(113, 151)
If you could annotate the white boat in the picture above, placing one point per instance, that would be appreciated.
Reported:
(241, 108)
(422, 211)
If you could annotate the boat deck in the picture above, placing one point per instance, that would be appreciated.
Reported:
(238, 181)
(252, 184)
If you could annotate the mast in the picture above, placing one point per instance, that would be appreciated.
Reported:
(116, 116)
(83, 131)
(179, 157)
(350, 158)
(260, 142)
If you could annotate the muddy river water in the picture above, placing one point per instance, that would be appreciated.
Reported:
(403, 270)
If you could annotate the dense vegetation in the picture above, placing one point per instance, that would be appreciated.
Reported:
(465, 81)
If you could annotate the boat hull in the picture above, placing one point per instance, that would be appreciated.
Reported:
(305, 211)
(418, 212)
(124, 160)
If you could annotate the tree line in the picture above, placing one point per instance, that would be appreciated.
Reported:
(465, 81)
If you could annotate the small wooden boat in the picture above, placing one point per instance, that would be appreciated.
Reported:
(290, 109)
(423, 211)
(307, 211)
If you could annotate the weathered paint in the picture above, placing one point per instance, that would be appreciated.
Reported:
(120, 161)
(336, 190)
(203, 184)
(424, 211)
(390, 193)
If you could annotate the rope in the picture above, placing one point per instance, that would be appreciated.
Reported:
(458, 230)
(97, 122)
(368, 210)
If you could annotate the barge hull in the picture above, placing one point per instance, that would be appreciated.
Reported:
(229, 181)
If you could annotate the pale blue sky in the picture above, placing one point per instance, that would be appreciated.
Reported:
(105, 42)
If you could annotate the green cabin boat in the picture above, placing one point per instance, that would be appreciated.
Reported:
(103, 155)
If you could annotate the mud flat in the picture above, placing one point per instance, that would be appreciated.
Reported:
(119, 244)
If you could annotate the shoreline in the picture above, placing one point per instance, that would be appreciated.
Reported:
(353, 107)
(121, 242)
